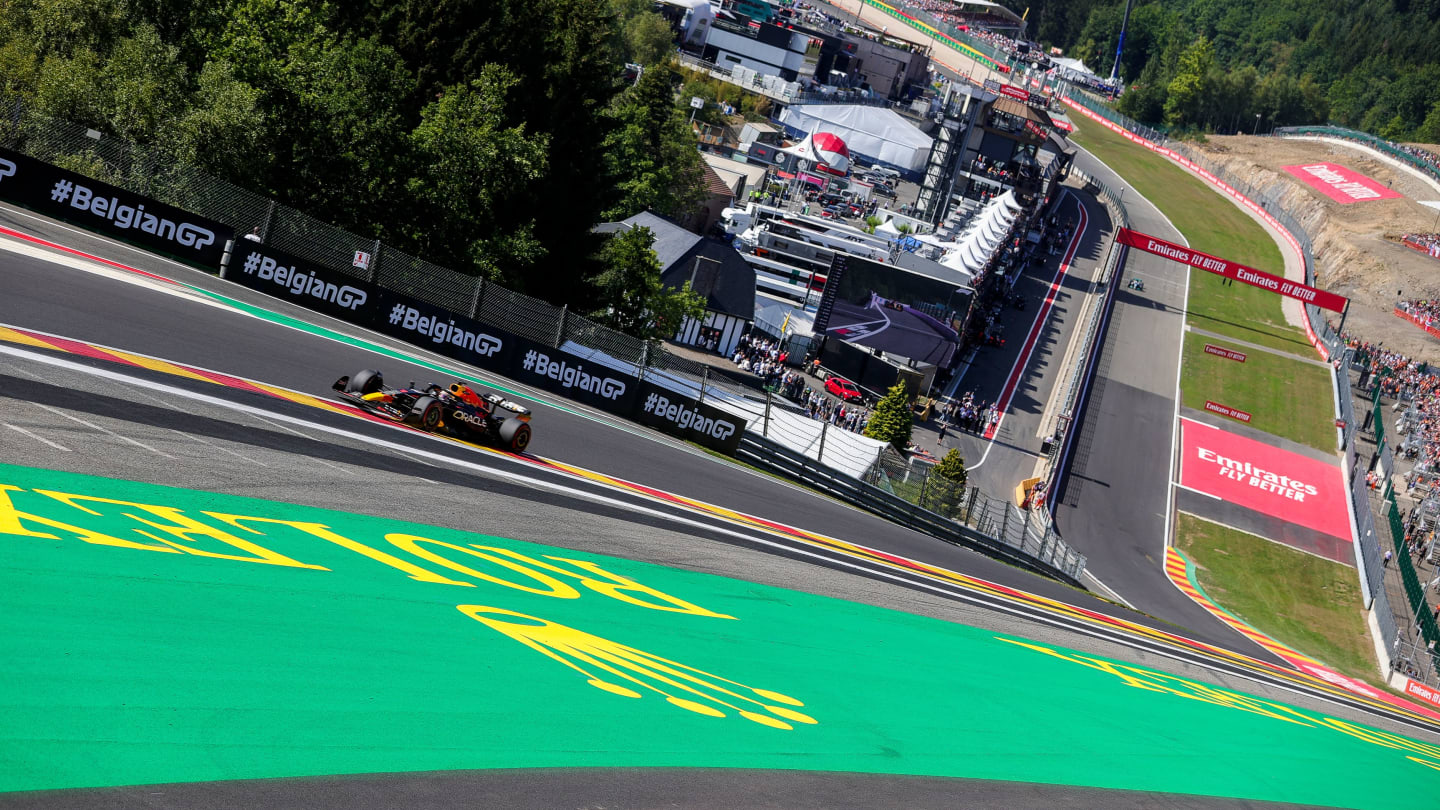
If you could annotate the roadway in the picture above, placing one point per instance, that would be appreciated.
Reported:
(113, 312)
(66, 410)
(1114, 505)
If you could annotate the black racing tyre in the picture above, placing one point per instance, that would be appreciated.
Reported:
(365, 382)
(426, 412)
(514, 435)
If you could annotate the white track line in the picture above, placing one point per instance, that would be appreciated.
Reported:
(41, 439)
(104, 430)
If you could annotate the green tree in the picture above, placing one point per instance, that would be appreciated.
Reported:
(945, 487)
(648, 39)
(472, 168)
(630, 295)
(651, 155)
(1187, 92)
(892, 420)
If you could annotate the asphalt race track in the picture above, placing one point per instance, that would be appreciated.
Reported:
(1113, 504)
(114, 313)
(907, 693)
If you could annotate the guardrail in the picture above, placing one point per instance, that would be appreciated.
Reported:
(1077, 387)
(995, 528)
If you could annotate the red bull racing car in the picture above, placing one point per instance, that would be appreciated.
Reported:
(458, 411)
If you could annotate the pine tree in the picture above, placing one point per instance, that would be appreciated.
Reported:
(945, 488)
(891, 421)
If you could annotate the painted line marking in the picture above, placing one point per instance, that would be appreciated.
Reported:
(105, 430)
(38, 438)
(217, 447)
(1175, 483)
(1023, 360)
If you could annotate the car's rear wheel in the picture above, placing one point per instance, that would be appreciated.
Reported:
(426, 412)
(514, 435)
(365, 382)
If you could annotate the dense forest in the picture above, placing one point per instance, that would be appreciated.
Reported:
(1214, 64)
(487, 135)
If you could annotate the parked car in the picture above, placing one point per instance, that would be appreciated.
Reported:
(882, 190)
(844, 389)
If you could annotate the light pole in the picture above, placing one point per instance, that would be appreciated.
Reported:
(1120, 46)
(1257, 124)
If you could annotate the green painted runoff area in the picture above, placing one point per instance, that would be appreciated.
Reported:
(402, 647)
(1300, 600)
(1285, 397)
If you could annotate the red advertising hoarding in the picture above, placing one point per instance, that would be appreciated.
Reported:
(1232, 270)
(1226, 410)
(1228, 354)
(1276, 482)
(1341, 184)
(1014, 92)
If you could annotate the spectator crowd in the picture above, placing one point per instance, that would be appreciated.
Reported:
(1424, 310)
(1427, 243)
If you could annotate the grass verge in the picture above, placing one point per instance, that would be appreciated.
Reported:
(1210, 225)
(1307, 603)
(1288, 398)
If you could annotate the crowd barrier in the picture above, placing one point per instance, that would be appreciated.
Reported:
(471, 320)
(1415, 319)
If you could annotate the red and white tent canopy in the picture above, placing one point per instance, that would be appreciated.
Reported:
(825, 150)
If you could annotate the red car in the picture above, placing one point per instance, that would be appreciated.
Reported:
(844, 389)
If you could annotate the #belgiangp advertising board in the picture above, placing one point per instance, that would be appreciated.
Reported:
(111, 211)
(685, 418)
(442, 331)
(292, 279)
(574, 377)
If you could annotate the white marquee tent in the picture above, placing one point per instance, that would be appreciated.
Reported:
(874, 133)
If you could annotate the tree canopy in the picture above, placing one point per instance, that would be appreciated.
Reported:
(1365, 64)
(475, 133)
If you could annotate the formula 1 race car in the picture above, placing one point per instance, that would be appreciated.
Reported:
(459, 411)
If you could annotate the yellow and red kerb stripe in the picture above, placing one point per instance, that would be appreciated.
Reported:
(1181, 572)
(43, 341)
(853, 550)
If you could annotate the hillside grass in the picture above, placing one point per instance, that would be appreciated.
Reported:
(1212, 225)
(1285, 397)
(1309, 604)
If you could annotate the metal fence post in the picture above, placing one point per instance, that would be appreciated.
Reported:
(560, 325)
(265, 226)
(765, 423)
(824, 428)
(705, 379)
(1004, 521)
(375, 262)
(477, 297)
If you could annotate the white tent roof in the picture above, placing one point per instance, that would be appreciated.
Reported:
(874, 132)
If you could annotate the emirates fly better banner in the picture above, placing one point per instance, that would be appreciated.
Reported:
(1232, 270)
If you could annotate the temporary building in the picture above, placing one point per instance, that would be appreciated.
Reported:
(874, 134)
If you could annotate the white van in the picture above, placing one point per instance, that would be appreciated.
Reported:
(889, 176)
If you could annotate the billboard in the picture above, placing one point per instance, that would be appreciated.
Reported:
(111, 211)
(1270, 480)
(1340, 184)
(886, 307)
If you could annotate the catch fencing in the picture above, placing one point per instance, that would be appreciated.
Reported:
(1371, 569)
(401, 285)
